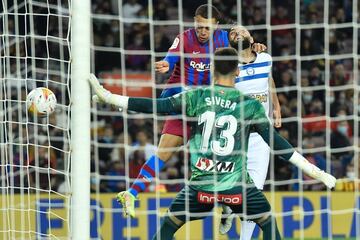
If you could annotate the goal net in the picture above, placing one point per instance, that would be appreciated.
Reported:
(315, 51)
(34, 152)
(314, 47)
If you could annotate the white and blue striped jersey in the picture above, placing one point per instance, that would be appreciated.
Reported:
(253, 79)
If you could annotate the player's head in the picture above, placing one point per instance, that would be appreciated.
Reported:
(240, 38)
(206, 19)
(226, 62)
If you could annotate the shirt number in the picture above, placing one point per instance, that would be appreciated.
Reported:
(227, 134)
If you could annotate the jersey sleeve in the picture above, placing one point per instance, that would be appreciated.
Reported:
(146, 105)
(267, 57)
(173, 54)
(262, 125)
(189, 98)
(271, 61)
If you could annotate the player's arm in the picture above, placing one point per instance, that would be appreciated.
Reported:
(172, 57)
(276, 103)
(144, 105)
(263, 126)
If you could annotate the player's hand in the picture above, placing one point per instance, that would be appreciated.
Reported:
(328, 179)
(258, 47)
(162, 66)
(103, 95)
(277, 118)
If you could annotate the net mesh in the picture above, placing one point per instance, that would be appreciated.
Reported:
(315, 50)
(34, 152)
(314, 46)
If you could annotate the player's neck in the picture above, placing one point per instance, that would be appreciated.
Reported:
(247, 55)
(224, 81)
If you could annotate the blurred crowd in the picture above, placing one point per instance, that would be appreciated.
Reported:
(316, 93)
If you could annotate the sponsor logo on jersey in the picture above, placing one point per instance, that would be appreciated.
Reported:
(209, 198)
(261, 97)
(210, 165)
(250, 71)
(200, 67)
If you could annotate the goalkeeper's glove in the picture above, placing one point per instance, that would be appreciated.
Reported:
(103, 95)
(313, 171)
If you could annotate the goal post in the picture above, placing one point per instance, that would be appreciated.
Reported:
(80, 119)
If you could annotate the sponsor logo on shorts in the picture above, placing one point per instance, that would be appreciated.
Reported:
(209, 198)
(210, 165)
(261, 97)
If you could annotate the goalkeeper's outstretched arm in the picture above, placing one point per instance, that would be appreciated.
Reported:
(262, 126)
(144, 105)
(267, 132)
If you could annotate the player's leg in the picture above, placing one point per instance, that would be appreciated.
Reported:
(168, 228)
(257, 166)
(258, 209)
(169, 141)
(269, 227)
(167, 145)
(176, 216)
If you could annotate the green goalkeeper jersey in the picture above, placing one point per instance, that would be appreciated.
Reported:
(222, 118)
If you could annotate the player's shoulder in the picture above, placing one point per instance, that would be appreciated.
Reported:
(263, 57)
(221, 32)
(187, 33)
(194, 91)
(248, 99)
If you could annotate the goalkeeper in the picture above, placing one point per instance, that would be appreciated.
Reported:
(218, 146)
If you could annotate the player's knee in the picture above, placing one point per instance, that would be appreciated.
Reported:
(167, 146)
(266, 209)
(263, 219)
(171, 219)
(164, 156)
(168, 228)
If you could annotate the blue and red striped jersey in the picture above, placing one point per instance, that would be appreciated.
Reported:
(196, 57)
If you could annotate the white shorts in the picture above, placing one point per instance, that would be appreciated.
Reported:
(258, 159)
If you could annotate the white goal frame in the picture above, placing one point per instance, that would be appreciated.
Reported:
(80, 119)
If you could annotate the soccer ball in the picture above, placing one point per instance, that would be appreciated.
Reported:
(41, 102)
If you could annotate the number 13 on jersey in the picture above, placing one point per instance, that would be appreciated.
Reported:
(228, 126)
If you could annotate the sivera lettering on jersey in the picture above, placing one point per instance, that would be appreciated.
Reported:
(220, 102)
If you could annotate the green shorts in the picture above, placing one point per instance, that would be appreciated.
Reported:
(191, 204)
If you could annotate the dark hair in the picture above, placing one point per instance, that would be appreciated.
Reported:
(226, 60)
(202, 11)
